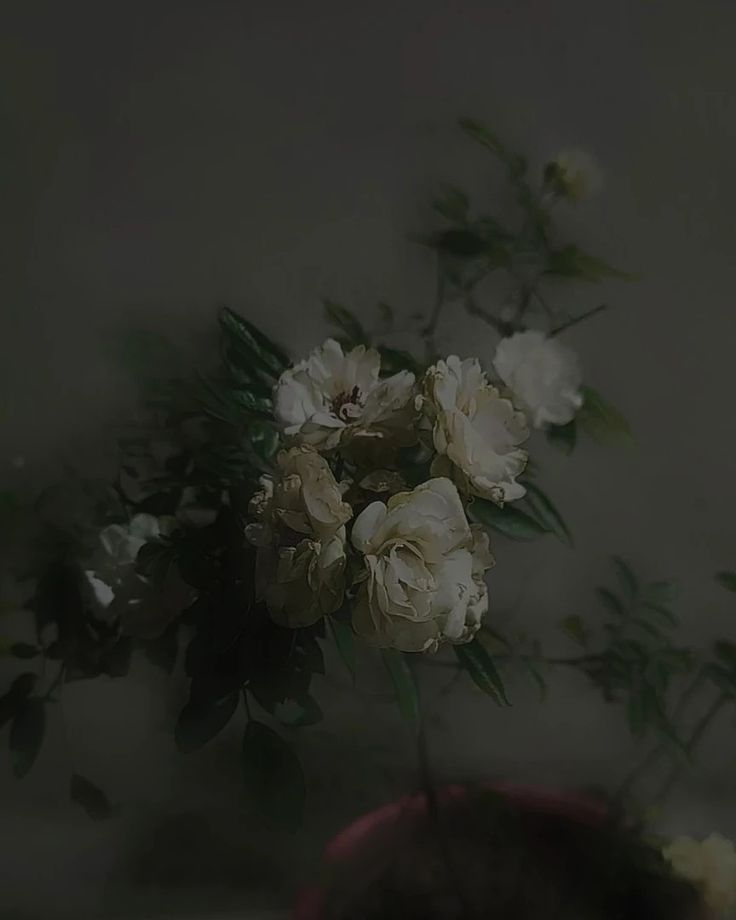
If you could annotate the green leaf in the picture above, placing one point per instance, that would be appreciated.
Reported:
(464, 244)
(344, 320)
(273, 776)
(660, 593)
(663, 613)
(571, 262)
(164, 649)
(344, 640)
(201, 719)
(537, 677)
(26, 735)
(575, 629)
(611, 601)
(726, 651)
(402, 678)
(726, 580)
(628, 580)
(24, 650)
(546, 513)
(601, 421)
(564, 437)
(479, 665)
(19, 690)
(394, 360)
(637, 713)
(486, 138)
(264, 439)
(90, 797)
(452, 204)
(509, 521)
(250, 402)
(265, 353)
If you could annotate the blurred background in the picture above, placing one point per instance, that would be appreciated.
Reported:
(162, 158)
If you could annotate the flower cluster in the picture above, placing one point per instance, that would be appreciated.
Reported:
(337, 526)
(709, 864)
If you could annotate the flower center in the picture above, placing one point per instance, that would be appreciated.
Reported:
(347, 406)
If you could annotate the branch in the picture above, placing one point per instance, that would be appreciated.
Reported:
(563, 327)
(501, 326)
(695, 739)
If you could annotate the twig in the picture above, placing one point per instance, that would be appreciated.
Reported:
(659, 749)
(429, 788)
(695, 739)
(501, 327)
(563, 327)
(428, 332)
(55, 682)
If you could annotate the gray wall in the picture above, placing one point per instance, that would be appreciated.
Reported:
(161, 157)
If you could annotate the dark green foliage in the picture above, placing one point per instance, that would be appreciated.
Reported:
(273, 776)
(26, 735)
(478, 663)
(402, 678)
(89, 797)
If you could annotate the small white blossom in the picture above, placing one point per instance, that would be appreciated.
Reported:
(543, 375)
(475, 431)
(710, 864)
(424, 567)
(576, 174)
(332, 396)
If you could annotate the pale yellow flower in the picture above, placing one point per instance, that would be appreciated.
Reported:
(710, 864)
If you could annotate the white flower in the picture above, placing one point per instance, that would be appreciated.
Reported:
(575, 174)
(302, 583)
(332, 396)
(122, 542)
(300, 532)
(543, 375)
(475, 431)
(422, 581)
(304, 497)
(710, 864)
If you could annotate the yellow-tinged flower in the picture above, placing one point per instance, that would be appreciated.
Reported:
(710, 864)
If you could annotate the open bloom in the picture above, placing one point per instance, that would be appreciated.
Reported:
(543, 374)
(710, 864)
(300, 532)
(475, 431)
(575, 174)
(332, 396)
(424, 567)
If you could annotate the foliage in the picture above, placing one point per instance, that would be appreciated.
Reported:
(190, 470)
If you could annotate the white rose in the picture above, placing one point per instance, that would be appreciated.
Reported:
(576, 174)
(332, 396)
(710, 864)
(423, 574)
(304, 497)
(475, 431)
(300, 533)
(543, 374)
(302, 583)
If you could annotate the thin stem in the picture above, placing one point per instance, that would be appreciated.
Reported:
(697, 736)
(659, 749)
(55, 682)
(568, 324)
(247, 704)
(429, 331)
(500, 326)
(429, 788)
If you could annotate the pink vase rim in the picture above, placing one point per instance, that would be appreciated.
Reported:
(345, 845)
